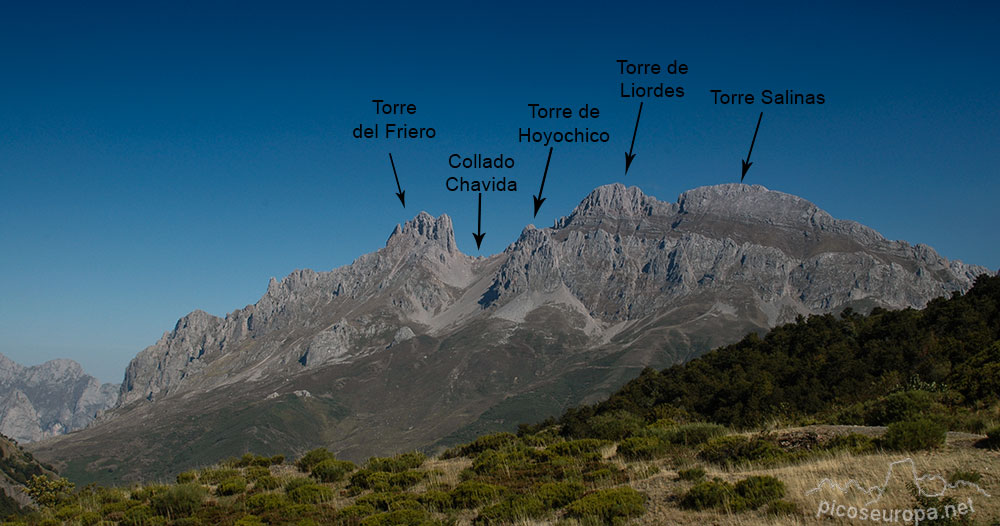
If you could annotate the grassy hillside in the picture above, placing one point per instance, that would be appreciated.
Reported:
(744, 435)
(662, 474)
(941, 362)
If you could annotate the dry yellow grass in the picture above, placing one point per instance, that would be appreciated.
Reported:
(659, 481)
(868, 470)
(665, 491)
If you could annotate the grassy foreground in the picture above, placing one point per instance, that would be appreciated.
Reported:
(664, 474)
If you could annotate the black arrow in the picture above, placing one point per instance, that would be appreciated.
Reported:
(629, 156)
(539, 199)
(400, 194)
(746, 162)
(479, 223)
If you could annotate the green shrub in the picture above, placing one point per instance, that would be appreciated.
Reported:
(249, 459)
(249, 520)
(182, 499)
(512, 509)
(691, 475)
(109, 495)
(472, 494)
(267, 482)
(968, 476)
(914, 435)
(310, 494)
(495, 441)
(389, 501)
(397, 463)
(255, 472)
(853, 442)
(114, 507)
(898, 407)
(438, 501)
(363, 479)
(186, 477)
(992, 440)
(262, 502)
(693, 434)
(231, 486)
(48, 491)
(736, 449)
(297, 483)
(144, 493)
(555, 495)
(749, 493)
(642, 448)
(757, 491)
(356, 511)
(384, 481)
(406, 517)
(331, 470)
(312, 458)
(615, 425)
(609, 505)
(708, 494)
(578, 448)
(67, 511)
(493, 462)
(217, 475)
(184, 521)
(89, 518)
(141, 515)
(782, 507)
(543, 438)
(600, 474)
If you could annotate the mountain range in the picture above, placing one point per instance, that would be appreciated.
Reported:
(50, 399)
(419, 346)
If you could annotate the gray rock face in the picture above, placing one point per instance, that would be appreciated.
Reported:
(619, 256)
(417, 272)
(417, 342)
(626, 255)
(50, 399)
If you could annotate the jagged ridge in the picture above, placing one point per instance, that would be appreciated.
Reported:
(416, 340)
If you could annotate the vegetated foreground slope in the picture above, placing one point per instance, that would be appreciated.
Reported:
(17, 467)
(420, 346)
(643, 456)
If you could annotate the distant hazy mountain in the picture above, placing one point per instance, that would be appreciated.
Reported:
(418, 345)
(50, 399)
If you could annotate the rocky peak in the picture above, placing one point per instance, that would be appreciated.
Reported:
(747, 203)
(741, 204)
(9, 368)
(49, 399)
(616, 201)
(195, 321)
(425, 229)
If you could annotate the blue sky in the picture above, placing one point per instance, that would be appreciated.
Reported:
(160, 158)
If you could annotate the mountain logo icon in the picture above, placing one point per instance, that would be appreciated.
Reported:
(928, 485)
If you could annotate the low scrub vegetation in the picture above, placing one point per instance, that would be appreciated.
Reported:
(747, 494)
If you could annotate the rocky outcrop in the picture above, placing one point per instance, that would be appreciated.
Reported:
(50, 399)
